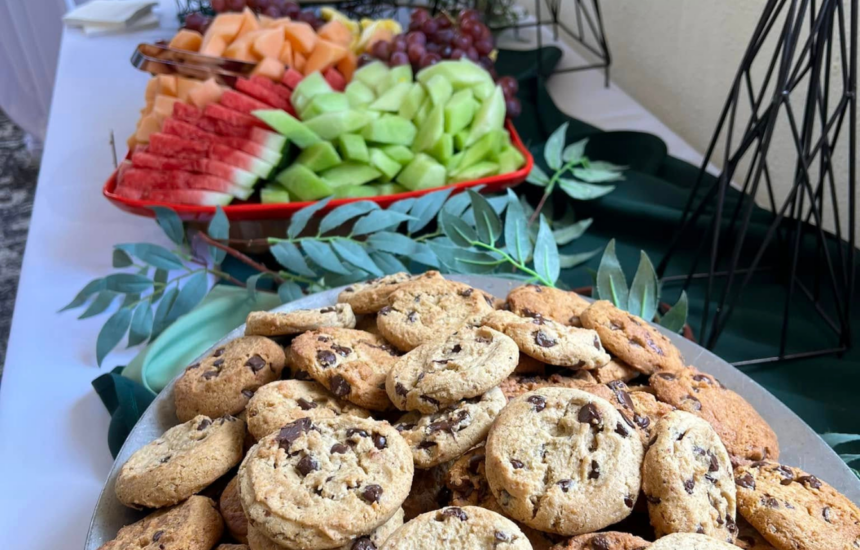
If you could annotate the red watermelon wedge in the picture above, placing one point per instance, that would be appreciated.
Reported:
(197, 197)
(191, 132)
(291, 78)
(335, 79)
(264, 94)
(176, 147)
(279, 89)
(193, 115)
(150, 180)
(231, 116)
(242, 102)
(143, 159)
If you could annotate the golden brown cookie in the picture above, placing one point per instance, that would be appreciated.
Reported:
(373, 295)
(192, 525)
(630, 338)
(641, 411)
(551, 303)
(529, 365)
(516, 385)
(615, 369)
(230, 506)
(743, 431)
(267, 323)
(607, 540)
(428, 492)
(750, 539)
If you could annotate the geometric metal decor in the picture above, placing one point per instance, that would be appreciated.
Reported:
(817, 108)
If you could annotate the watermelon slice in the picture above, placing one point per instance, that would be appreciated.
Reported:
(335, 79)
(241, 102)
(152, 180)
(263, 93)
(176, 147)
(292, 78)
(191, 132)
(143, 159)
(279, 89)
(197, 197)
(192, 115)
(232, 116)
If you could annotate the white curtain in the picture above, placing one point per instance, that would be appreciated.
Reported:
(30, 33)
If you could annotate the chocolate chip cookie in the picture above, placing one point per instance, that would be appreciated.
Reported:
(615, 369)
(230, 506)
(516, 385)
(192, 525)
(795, 510)
(563, 461)
(467, 528)
(265, 323)
(743, 431)
(750, 539)
(687, 479)
(223, 382)
(442, 436)
(550, 303)
(321, 483)
(438, 374)
(184, 460)
(640, 410)
(423, 311)
(351, 364)
(632, 339)
(373, 295)
(371, 541)
(279, 403)
(232, 547)
(690, 541)
(608, 540)
(429, 491)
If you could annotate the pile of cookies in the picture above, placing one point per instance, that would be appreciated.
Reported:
(421, 413)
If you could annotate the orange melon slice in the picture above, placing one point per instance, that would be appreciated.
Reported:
(249, 23)
(379, 34)
(149, 124)
(271, 68)
(151, 89)
(164, 106)
(325, 55)
(166, 85)
(205, 93)
(268, 44)
(225, 26)
(264, 21)
(215, 47)
(335, 31)
(299, 62)
(286, 55)
(301, 36)
(187, 40)
(184, 87)
(279, 23)
(347, 65)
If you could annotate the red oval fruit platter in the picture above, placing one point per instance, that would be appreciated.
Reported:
(262, 116)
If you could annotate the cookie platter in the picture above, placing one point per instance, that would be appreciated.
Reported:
(799, 445)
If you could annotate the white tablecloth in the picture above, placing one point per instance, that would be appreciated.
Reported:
(53, 428)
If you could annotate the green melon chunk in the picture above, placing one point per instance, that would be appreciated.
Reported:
(311, 86)
(319, 156)
(461, 74)
(274, 194)
(350, 173)
(460, 139)
(331, 125)
(289, 126)
(459, 111)
(412, 102)
(482, 149)
(476, 171)
(423, 112)
(483, 90)
(382, 189)
(353, 147)
(325, 103)
(439, 89)
(385, 164)
(454, 162)
(443, 149)
(303, 184)
(510, 160)
(491, 116)
(354, 192)
(395, 76)
(392, 99)
(371, 74)
(390, 129)
(422, 173)
(399, 153)
(430, 130)
(359, 94)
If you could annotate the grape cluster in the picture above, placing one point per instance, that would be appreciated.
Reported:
(269, 8)
(431, 39)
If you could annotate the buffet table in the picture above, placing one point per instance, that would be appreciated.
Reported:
(53, 448)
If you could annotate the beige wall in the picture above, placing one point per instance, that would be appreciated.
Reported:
(678, 59)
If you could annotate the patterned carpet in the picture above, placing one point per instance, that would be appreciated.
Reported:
(18, 172)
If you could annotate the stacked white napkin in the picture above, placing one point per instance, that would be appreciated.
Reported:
(110, 16)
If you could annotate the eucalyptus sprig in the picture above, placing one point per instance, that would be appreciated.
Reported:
(573, 172)
(642, 298)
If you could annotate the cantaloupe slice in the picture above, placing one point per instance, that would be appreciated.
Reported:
(184, 86)
(278, 23)
(187, 40)
(347, 65)
(299, 62)
(150, 103)
(286, 55)
(335, 31)
(166, 85)
(301, 36)
(151, 89)
(205, 93)
(271, 68)
(225, 26)
(249, 23)
(164, 106)
(264, 21)
(241, 47)
(149, 124)
(268, 44)
(326, 54)
(215, 47)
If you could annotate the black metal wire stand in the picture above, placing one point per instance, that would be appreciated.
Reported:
(818, 106)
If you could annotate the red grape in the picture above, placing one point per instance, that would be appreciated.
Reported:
(434, 48)
(468, 14)
(291, 9)
(462, 41)
(513, 107)
(195, 21)
(399, 58)
(416, 38)
(364, 59)
(419, 16)
(381, 49)
(457, 53)
(444, 36)
(467, 26)
(235, 5)
(442, 21)
(430, 59)
(509, 85)
(477, 31)
(485, 62)
(430, 27)
(307, 17)
(219, 5)
(472, 54)
(446, 51)
(399, 43)
(414, 26)
(272, 12)
(484, 47)
(415, 52)
(493, 73)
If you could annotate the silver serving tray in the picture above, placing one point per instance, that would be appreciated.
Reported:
(799, 445)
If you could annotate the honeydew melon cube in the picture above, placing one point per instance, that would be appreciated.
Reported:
(311, 86)
(371, 74)
(288, 126)
(397, 75)
(325, 103)
(460, 139)
(439, 89)
(476, 171)
(461, 73)
(330, 125)
(510, 160)
(399, 153)
(385, 164)
(382, 189)
(459, 111)
(359, 94)
(482, 149)
(422, 173)
(454, 162)
(353, 147)
(423, 112)
(354, 192)
(319, 156)
(483, 90)
(274, 194)
(491, 116)
(350, 173)
(391, 130)
(430, 130)
(391, 100)
(303, 184)
(443, 149)
(412, 102)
